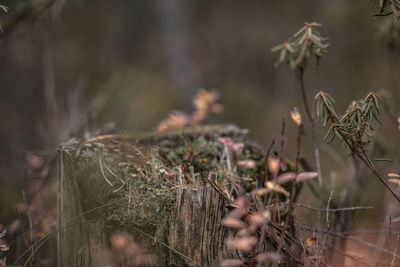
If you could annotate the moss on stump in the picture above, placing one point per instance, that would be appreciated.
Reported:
(153, 187)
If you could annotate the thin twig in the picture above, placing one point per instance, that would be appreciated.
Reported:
(269, 150)
(293, 192)
(328, 224)
(310, 116)
(372, 167)
(282, 140)
(333, 210)
(103, 137)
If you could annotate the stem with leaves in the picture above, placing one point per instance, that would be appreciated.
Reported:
(308, 41)
(353, 128)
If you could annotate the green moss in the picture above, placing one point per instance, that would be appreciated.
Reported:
(146, 177)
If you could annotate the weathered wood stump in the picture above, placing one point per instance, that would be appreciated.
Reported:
(145, 188)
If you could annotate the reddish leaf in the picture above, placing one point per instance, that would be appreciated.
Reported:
(286, 177)
(396, 181)
(226, 140)
(258, 218)
(231, 262)
(243, 202)
(243, 243)
(274, 165)
(268, 256)
(260, 191)
(236, 213)
(304, 176)
(248, 163)
(232, 222)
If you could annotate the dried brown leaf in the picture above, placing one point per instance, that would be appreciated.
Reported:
(175, 120)
(310, 241)
(243, 243)
(204, 99)
(277, 188)
(296, 117)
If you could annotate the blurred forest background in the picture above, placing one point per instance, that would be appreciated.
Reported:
(73, 68)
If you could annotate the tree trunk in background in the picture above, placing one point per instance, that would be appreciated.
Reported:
(172, 20)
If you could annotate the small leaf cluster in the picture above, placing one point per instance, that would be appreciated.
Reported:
(387, 7)
(354, 127)
(307, 41)
(4, 9)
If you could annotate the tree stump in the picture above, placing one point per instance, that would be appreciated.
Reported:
(114, 184)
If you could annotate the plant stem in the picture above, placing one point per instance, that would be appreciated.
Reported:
(372, 167)
(310, 116)
(292, 194)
